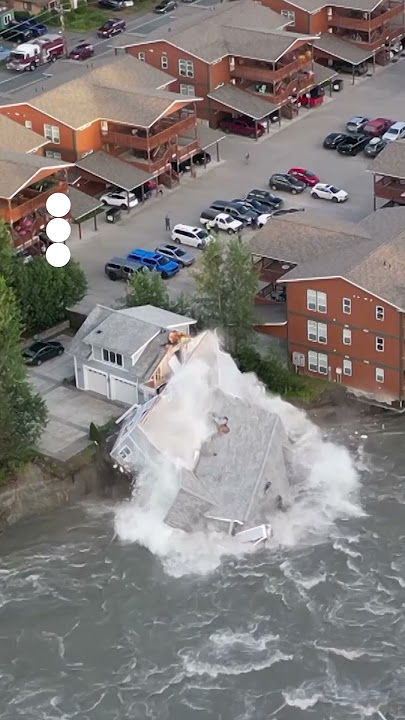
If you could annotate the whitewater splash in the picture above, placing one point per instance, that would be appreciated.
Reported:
(324, 481)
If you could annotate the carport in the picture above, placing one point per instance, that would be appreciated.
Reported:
(324, 75)
(112, 171)
(83, 207)
(231, 99)
(207, 137)
(331, 47)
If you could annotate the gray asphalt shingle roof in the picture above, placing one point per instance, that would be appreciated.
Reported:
(158, 316)
(341, 49)
(114, 171)
(121, 333)
(323, 74)
(17, 170)
(391, 161)
(246, 103)
(314, 5)
(14, 136)
(82, 204)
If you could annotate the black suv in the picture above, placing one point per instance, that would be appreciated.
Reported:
(353, 145)
(121, 268)
(289, 183)
(264, 196)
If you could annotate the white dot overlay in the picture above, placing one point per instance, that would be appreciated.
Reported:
(58, 255)
(58, 230)
(58, 205)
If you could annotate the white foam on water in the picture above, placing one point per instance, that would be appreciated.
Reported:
(324, 487)
(298, 698)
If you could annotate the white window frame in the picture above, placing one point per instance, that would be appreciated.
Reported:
(312, 361)
(322, 364)
(141, 56)
(124, 452)
(51, 132)
(28, 124)
(188, 90)
(116, 355)
(311, 300)
(317, 301)
(322, 333)
(164, 62)
(379, 375)
(347, 336)
(347, 306)
(347, 367)
(379, 344)
(317, 362)
(54, 155)
(289, 14)
(186, 68)
(7, 19)
(312, 330)
(379, 312)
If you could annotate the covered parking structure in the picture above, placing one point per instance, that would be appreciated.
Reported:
(230, 99)
(329, 47)
(83, 207)
(208, 137)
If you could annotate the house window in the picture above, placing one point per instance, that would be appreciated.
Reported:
(124, 452)
(289, 14)
(347, 306)
(379, 375)
(187, 90)
(347, 367)
(347, 336)
(186, 68)
(7, 19)
(164, 62)
(112, 357)
(312, 330)
(379, 312)
(141, 56)
(54, 155)
(27, 6)
(316, 301)
(51, 132)
(379, 344)
(318, 362)
(104, 126)
(317, 332)
(28, 124)
(322, 333)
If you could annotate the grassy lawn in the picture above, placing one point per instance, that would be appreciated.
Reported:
(91, 17)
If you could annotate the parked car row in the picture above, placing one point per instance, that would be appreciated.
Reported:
(364, 134)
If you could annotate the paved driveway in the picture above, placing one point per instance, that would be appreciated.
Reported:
(299, 143)
(70, 411)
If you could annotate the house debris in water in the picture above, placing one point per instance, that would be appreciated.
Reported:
(227, 452)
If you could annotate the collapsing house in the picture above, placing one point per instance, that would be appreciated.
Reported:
(228, 453)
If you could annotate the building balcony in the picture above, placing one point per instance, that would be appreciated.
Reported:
(294, 87)
(265, 73)
(171, 153)
(378, 38)
(393, 190)
(361, 22)
(138, 139)
(30, 200)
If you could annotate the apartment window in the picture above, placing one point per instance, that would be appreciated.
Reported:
(164, 62)
(289, 14)
(379, 375)
(316, 301)
(51, 132)
(104, 126)
(141, 56)
(187, 90)
(28, 124)
(112, 357)
(7, 19)
(347, 336)
(322, 333)
(347, 306)
(379, 344)
(318, 362)
(54, 155)
(379, 312)
(347, 367)
(317, 332)
(27, 6)
(124, 452)
(186, 68)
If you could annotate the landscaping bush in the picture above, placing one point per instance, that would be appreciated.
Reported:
(273, 372)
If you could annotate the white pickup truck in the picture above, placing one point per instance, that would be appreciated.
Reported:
(224, 222)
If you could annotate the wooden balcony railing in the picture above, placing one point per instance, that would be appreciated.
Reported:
(135, 142)
(390, 190)
(22, 205)
(258, 73)
(365, 25)
(295, 86)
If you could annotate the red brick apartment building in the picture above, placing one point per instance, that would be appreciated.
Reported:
(388, 170)
(119, 123)
(349, 30)
(344, 314)
(242, 60)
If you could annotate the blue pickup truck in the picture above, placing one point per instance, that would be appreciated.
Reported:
(154, 261)
(20, 32)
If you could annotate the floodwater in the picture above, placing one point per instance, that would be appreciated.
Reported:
(92, 628)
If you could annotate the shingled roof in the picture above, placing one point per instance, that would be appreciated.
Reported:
(333, 45)
(242, 102)
(391, 161)
(312, 6)
(17, 170)
(14, 136)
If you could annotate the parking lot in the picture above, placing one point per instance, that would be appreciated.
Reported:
(298, 144)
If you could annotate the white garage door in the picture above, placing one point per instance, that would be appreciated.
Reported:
(96, 381)
(123, 391)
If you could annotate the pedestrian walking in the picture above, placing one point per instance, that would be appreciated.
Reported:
(167, 222)
(247, 158)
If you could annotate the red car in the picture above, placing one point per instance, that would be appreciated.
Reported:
(312, 98)
(377, 127)
(305, 176)
(82, 52)
(111, 27)
(241, 126)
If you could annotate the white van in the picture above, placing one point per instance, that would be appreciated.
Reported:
(395, 132)
(189, 235)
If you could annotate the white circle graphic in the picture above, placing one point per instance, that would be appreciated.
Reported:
(58, 255)
(58, 205)
(58, 230)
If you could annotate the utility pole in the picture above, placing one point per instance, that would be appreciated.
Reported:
(61, 12)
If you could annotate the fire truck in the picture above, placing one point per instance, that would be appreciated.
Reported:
(41, 51)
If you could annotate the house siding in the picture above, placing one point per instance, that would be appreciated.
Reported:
(305, 22)
(364, 327)
(21, 113)
(112, 371)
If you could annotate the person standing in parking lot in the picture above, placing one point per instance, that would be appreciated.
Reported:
(167, 222)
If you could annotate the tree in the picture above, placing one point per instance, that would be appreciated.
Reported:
(7, 257)
(227, 284)
(147, 288)
(22, 412)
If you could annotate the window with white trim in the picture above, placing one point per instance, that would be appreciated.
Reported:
(51, 132)
(317, 332)
(54, 155)
(316, 301)
(379, 375)
(112, 357)
(187, 90)
(28, 124)
(186, 68)
(379, 344)
(346, 306)
(317, 362)
(347, 336)
(379, 312)
(7, 19)
(164, 62)
(141, 56)
(289, 14)
(347, 367)
(124, 452)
